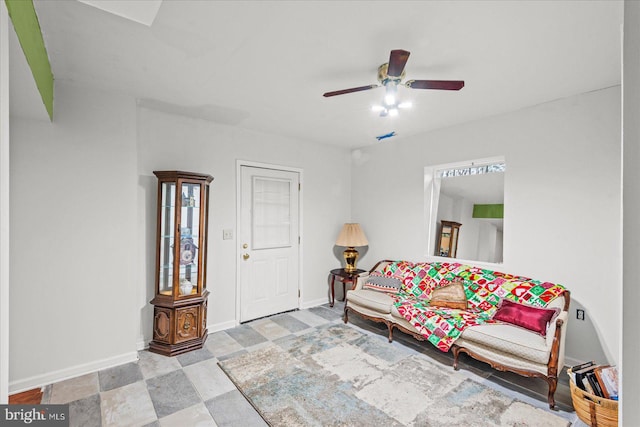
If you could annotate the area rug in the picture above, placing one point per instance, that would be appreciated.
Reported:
(339, 376)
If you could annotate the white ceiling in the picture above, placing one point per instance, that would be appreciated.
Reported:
(264, 65)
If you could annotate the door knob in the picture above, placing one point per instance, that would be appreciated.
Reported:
(245, 257)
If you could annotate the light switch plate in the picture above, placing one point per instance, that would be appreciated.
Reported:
(227, 234)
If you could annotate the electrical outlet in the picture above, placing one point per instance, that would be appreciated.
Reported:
(227, 234)
(580, 314)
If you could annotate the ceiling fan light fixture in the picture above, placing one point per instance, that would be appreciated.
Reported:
(393, 112)
(390, 97)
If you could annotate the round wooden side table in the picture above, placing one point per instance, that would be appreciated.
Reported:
(345, 277)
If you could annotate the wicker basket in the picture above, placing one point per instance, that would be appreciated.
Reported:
(592, 409)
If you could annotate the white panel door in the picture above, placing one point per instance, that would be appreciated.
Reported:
(269, 242)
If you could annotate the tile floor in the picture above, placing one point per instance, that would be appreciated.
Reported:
(191, 390)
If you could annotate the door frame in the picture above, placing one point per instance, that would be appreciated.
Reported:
(239, 165)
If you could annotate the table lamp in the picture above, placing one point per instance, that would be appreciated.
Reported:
(351, 236)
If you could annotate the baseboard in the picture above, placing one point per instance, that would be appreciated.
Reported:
(313, 303)
(70, 372)
(142, 344)
(216, 327)
(570, 361)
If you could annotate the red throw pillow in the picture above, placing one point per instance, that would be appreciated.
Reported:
(532, 318)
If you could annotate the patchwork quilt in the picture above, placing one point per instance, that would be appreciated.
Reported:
(483, 288)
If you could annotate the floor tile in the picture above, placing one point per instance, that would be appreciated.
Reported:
(152, 364)
(246, 335)
(445, 359)
(221, 344)
(368, 325)
(536, 388)
(208, 379)
(269, 329)
(289, 322)
(126, 406)
(171, 392)
(309, 318)
(74, 389)
(191, 389)
(194, 356)
(232, 410)
(468, 363)
(231, 355)
(326, 313)
(119, 376)
(85, 412)
(193, 416)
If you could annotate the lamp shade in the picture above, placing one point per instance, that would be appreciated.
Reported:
(351, 235)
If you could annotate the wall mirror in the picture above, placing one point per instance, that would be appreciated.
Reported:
(465, 210)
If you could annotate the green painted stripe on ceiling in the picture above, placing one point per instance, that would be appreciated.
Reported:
(25, 21)
(488, 211)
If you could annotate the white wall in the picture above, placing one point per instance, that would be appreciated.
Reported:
(169, 142)
(73, 253)
(4, 204)
(83, 229)
(562, 201)
(629, 413)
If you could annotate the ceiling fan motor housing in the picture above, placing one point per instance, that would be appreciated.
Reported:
(384, 78)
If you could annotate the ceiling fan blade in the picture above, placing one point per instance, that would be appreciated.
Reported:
(397, 61)
(353, 89)
(435, 84)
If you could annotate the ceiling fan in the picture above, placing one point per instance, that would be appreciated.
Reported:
(390, 75)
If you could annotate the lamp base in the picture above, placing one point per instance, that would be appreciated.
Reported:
(350, 258)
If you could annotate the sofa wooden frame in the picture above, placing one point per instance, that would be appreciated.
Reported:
(552, 366)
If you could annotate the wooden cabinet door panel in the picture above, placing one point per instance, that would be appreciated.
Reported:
(162, 325)
(188, 320)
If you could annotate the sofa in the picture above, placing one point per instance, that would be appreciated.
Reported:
(505, 342)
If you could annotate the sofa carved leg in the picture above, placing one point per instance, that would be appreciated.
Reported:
(346, 314)
(390, 326)
(553, 384)
(456, 353)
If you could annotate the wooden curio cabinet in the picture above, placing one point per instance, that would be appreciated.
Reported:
(180, 303)
(448, 240)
